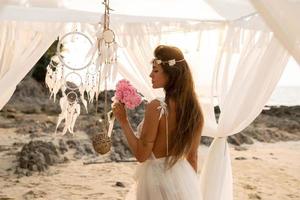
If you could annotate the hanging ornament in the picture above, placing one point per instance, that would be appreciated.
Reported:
(107, 57)
(79, 67)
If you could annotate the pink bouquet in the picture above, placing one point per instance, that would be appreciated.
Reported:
(127, 94)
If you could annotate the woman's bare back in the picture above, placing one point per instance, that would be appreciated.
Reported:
(160, 144)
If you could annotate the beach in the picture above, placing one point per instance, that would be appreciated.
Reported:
(260, 171)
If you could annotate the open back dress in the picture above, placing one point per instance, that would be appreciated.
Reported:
(154, 182)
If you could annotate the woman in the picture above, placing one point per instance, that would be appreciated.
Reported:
(167, 139)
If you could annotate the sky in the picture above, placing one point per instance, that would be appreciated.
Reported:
(291, 75)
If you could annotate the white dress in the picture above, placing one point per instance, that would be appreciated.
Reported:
(154, 182)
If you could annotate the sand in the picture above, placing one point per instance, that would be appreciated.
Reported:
(269, 171)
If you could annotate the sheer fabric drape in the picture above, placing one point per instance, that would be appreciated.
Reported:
(21, 45)
(282, 16)
(247, 71)
(138, 41)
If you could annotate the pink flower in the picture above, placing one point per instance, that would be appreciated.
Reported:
(127, 94)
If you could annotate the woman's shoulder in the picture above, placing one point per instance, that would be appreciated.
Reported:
(153, 104)
(157, 104)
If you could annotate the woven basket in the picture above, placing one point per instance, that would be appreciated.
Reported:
(101, 143)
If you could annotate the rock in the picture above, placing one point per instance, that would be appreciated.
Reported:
(265, 134)
(120, 184)
(37, 156)
(11, 116)
(11, 109)
(115, 156)
(66, 159)
(18, 144)
(34, 195)
(206, 140)
(240, 148)
(4, 148)
(62, 146)
(120, 146)
(240, 158)
(88, 149)
(254, 196)
(82, 148)
(249, 187)
(31, 109)
(239, 139)
(6, 198)
(73, 144)
(8, 125)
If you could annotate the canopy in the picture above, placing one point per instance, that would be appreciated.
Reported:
(237, 50)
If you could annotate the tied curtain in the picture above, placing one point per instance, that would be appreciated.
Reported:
(21, 46)
(249, 65)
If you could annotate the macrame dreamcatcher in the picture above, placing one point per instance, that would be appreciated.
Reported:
(83, 74)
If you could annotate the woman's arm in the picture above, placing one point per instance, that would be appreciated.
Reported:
(140, 147)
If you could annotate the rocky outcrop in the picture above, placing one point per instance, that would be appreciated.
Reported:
(272, 125)
(39, 155)
(31, 112)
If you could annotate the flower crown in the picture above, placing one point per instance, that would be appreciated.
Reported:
(171, 62)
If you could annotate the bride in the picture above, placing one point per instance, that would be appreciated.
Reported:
(167, 139)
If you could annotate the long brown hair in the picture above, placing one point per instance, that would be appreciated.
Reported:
(180, 88)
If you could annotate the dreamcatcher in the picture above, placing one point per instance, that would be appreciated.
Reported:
(93, 61)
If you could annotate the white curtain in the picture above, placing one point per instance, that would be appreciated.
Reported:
(138, 41)
(135, 61)
(137, 51)
(21, 46)
(250, 64)
(282, 16)
(231, 9)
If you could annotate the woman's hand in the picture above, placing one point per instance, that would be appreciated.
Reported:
(120, 112)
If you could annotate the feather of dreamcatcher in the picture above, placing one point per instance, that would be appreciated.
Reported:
(84, 102)
(74, 117)
(63, 102)
(110, 53)
(105, 72)
(114, 72)
(70, 111)
(48, 78)
(92, 93)
(56, 88)
(115, 48)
